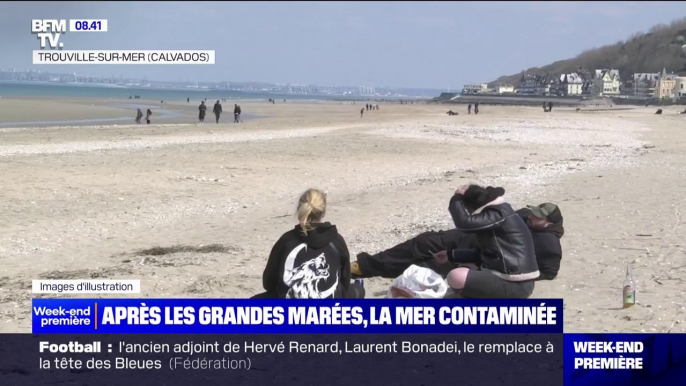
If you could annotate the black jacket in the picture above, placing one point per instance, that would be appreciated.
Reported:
(547, 245)
(237, 110)
(316, 266)
(217, 109)
(502, 238)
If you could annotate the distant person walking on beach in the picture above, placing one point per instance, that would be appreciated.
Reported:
(469, 109)
(236, 113)
(476, 108)
(361, 113)
(188, 100)
(147, 116)
(217, 110)
(139, 115)
(202, 108)
(545, 109)
(550, 107)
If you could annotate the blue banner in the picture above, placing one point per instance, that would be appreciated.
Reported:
(259, 316)
(624, 359)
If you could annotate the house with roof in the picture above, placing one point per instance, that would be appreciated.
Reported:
(536, 84)
(527, 85)
(504, 89)
(664, 87)
(680, 87)
(587, 81)
(606, 82)
(645, 83)
(570, 84)
(476, 88)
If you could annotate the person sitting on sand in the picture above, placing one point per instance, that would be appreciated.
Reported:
(505, 248)
(658, 112)
(545, 224)
(202, 108)
(451, 112)
(310, 261)
(139, 116)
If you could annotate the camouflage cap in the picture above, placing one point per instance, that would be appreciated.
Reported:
(547, 211)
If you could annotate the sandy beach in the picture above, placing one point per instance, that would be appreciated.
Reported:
(87, 201)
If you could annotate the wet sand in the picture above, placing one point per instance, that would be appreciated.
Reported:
(85, 200)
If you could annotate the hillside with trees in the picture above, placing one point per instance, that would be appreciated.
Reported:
(659, 48)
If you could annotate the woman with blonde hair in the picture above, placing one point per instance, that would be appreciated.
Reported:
(310, 261)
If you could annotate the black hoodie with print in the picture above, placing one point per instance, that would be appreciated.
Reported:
(312, 266)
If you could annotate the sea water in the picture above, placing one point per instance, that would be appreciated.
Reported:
(85, 90)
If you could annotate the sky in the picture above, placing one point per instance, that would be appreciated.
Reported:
(398, 44)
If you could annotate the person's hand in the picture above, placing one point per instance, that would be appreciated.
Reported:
(401, 293)
(441, 257)
(462, 189)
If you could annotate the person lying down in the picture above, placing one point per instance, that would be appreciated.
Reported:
(544, 222)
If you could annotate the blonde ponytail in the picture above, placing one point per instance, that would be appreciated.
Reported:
(311, 208)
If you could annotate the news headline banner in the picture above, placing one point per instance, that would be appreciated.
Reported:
(288, 359)
(258, 316)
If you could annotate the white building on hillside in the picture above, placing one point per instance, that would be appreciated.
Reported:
(475, 88)
(665, 85)
(504, 89)
(606, 82)
(680, 87)
(571, 84)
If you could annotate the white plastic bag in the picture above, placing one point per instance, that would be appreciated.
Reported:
(418, 282)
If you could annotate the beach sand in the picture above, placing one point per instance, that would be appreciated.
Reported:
(82, 202)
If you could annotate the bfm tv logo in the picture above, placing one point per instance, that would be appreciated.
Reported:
(49, 31)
